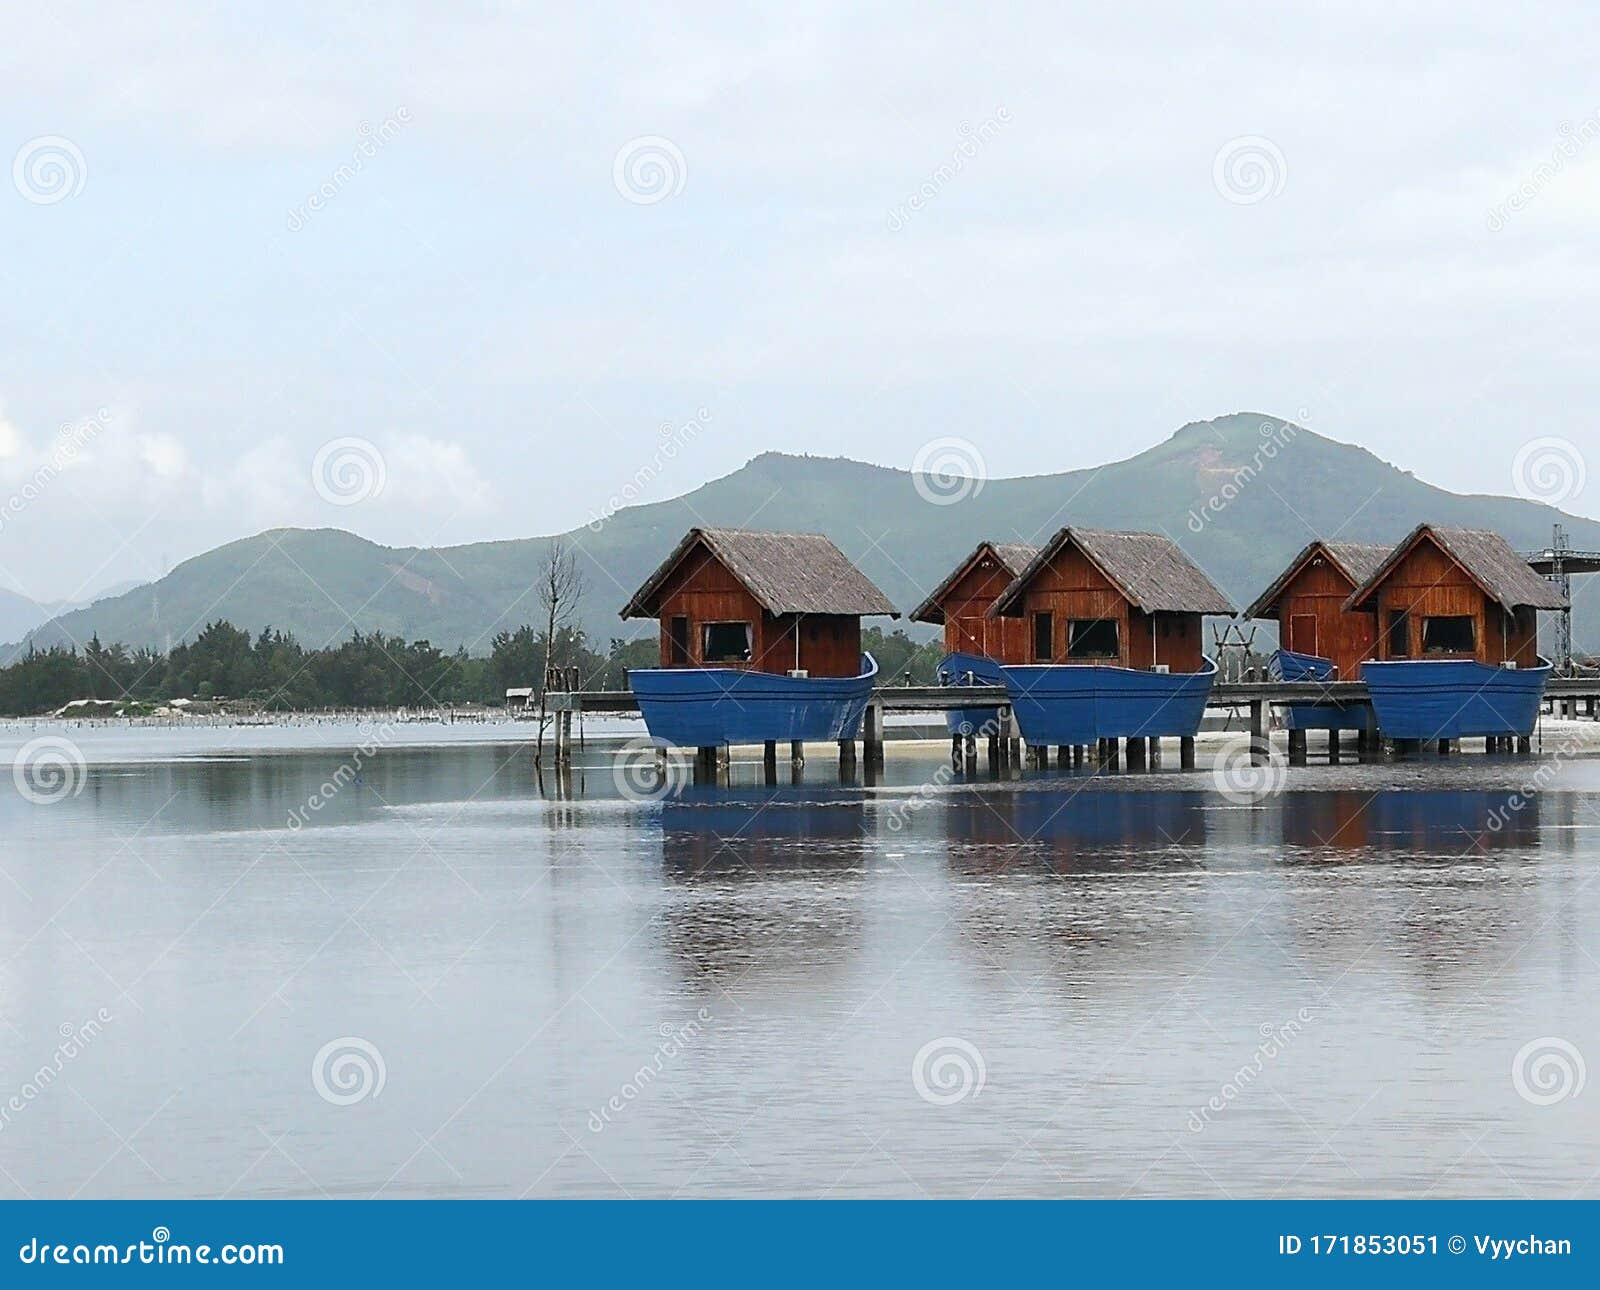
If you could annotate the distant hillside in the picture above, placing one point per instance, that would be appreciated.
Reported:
(19, 615)
(321, 583)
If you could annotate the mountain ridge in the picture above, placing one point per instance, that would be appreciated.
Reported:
(1242, 493)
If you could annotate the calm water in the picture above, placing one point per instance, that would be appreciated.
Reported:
(1345, 971)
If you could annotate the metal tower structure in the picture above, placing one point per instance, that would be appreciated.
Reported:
(1560, 546)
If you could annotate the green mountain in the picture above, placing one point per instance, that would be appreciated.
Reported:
(1242, 494)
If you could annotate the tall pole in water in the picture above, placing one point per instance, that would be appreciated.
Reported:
(1559, 545)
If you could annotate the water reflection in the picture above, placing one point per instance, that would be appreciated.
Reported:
(745, 868)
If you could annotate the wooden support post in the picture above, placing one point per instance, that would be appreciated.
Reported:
(1186, 752)
(970, 755)
(1369, 746)
(1063, 756)
(1113, 754)
(1524, 743)
(1136, 752)
(769, 761)
(847, 754)
(1444, 748)
(872, 734)
(705, 764)
(1154, 759)
(797, 752)
(1333, 747)
(1259, 747)
(955, 751)
(1297, 748)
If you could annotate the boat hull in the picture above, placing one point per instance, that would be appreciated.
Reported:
(1454, 698)
(693, 707)
(1290, 666)
(958, 669)
(1070, 703)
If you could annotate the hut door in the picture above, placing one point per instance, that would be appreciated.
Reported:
(678, 642)
(1399, 634)
(1303, 633)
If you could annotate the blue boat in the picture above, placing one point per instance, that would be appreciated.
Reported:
(1286, 665)
(705, 707)
(1454, 698)
(959, 668)
(1078, 703)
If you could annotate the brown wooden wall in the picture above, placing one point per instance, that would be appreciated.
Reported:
(966, 626)
(1069, 587)
(703, 590)
(1426, 583)
(1318, 593)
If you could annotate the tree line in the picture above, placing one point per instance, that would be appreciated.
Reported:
(369, 670)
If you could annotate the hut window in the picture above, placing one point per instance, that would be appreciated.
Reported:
(1449, 634)
(725, 642)
(1044, 631)
(1092, 638)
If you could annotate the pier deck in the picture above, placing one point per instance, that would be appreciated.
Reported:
(1563, 694)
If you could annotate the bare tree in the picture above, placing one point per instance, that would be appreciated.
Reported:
(560, 592)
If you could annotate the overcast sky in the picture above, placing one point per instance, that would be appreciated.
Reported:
(1057, 235)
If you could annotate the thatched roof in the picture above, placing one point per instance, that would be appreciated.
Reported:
(1149, 569)
(1013, 557)
(1358, 561)
(788, 573)
(1485, 557)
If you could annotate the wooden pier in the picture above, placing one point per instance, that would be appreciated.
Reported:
(1564, 697)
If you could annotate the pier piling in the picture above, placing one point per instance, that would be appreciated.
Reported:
(1260, 748)
(872, 734)
(1186, 752)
